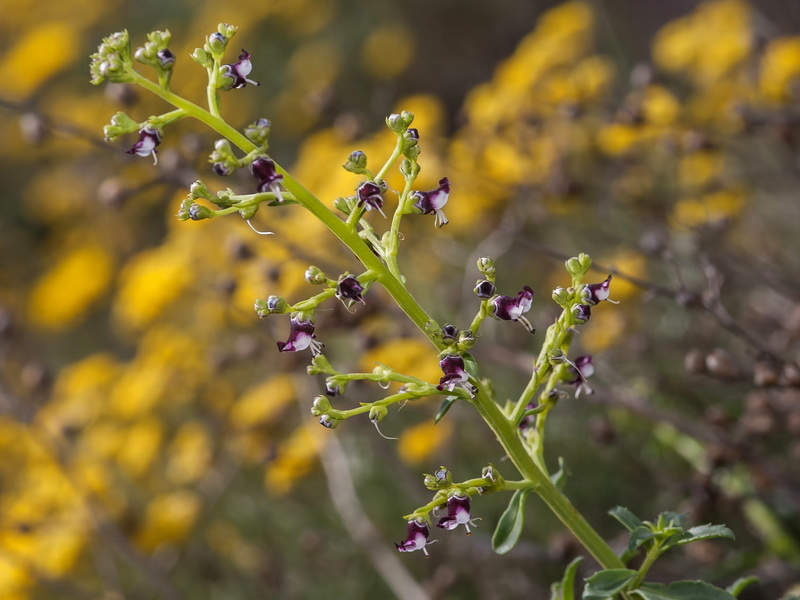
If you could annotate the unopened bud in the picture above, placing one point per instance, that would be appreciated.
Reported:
(484, 289)
(443, 477)
(201, 57)
(343, 205)
(199, 190)
(396, 123)
(320, 406)
(315, 276)
(562, 296)
(356, 163)
(217, 43)
(486, 266)
(258, 131)
(198, 212)
(329, 421)
(274, 305)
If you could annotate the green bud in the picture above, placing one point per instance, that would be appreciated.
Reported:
(412, 151)
(585, 260)
(201, 57)
(356, 163)
(396, 123)
(112, 61)
(258, 132)
(486, 266)
(377, 413)
(223, 158)
(493, 479)
(183, 211)
(344, 205)
(430, 482)
(443, 477)
(383, 372)
(321, 406)
(315, 276)
(319, 364)
(408, 117)
(577, 266)
(408, 168)
(227, 30)
(274, 305)
(216, 43)
(120, 125)
(562, 297)
(199, 190)
(466, 339)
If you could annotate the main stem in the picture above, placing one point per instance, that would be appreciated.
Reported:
(503, 428)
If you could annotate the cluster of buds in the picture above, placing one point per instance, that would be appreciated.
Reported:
(215, 45)
(223, 160)
(156, 54)
(112, 61)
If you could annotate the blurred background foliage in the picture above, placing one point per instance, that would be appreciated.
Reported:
(154, 444)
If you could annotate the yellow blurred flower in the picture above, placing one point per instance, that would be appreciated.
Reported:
(779, 78)
(387, 51)
(296, 457)
(606, 327)
(168, 519)
(263, 403)
(64, 294)
(140, 446)
(617, 139)
(716, 206)
(420, 442)
(700, 168)
(408, 356)
(189, 453)
(659, 106)
(149, 283)
(42, 52)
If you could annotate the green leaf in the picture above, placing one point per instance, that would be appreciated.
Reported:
(701, 532)
(509, 527)
(671, 520)
(737, 586)
(681, 590)
(607, 584)
(470, 364)
(559, 478)
(639, 536)
(446, 404)
(629, 520)
(565, 589)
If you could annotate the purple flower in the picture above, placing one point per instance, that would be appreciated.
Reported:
(580, 370)
(484, 289)
(433, 201)
(457, 514)
(235, 75)
(149, 138)
(454, 374)
(349, 290)
(263, 169)
(301, 336)
(593, 293)
(370, 196)
(417, 538)
(450, 333)
(507, 308)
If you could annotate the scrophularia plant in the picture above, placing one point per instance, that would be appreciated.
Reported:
(519, 425)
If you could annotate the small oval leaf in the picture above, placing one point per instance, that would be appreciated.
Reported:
(606, 584)
(681, 590)
(446, 405)
(509, 527)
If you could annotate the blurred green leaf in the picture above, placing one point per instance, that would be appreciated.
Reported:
(606, 584)
(509, 527)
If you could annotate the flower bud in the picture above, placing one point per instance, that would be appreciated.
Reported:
(319, 365)
(335, 387)
(166, 58)
(577, 266)
(562, 296)
(223, 159)
(329, 421)
(217, 43)
(321, 406)
(227, 30)
(410, 139)
(408, 117)
(201, 57)
(248, 212)
(466, 339)
(183, 211)
(383, 372)
(199, 190)
(449, 333)
(198, 212)
(409, 168)
(443, 477)
(120, 124)
(343, 205)
(356, 163)
(377, 413)
(486, 266)
(484, 289)
(315, 276)
(396, 123)
(274, 305)
(258, 131)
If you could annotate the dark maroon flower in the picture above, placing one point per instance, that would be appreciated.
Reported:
(454, 374)
(432, 202)
(507, 308)
(349, 290)
(301, 336)
(594, 293)
(457, 514)
(417, 537)
(235, 75)
(263, 169)
(149, 138)
(370, 196)
(450, 332)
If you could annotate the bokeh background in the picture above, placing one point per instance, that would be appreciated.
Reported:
(154, 444)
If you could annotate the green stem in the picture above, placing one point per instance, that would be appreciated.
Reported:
(507, 436)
